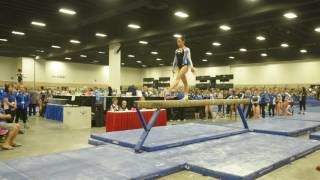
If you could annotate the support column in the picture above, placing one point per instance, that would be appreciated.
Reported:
(115, 66)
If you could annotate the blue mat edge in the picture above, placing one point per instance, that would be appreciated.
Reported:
(170, 145)
(314, 137)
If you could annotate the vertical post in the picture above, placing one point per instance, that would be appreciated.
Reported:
(115, 66)
(145, 133)
(243, 118)
(142, 120)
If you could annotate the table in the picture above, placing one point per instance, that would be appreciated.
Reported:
(120, 121)
(54, 112)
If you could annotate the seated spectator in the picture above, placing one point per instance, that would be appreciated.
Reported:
(124, 106)
(114, 106)
(13, 129)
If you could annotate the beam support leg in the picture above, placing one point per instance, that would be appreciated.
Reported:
(243, 118)
(145, 133)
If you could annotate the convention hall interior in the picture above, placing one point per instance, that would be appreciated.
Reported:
(159, 89)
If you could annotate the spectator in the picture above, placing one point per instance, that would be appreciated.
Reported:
(114, 106)
(255, 102)
(22, 99)
(34, 99)
(272, 104)
(19, 76)
(13, 130)
(123, 106)
(9, 102)
(302, 100)
(109, 91)
(43, 101)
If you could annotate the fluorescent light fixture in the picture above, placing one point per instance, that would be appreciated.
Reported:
(74, 41)
(181, 14)
(131, 56)
(4, 40)
(317, 29)
(159, 59)
(122, 63)
(216, 44)
(67, 58)
(225, 27)
(284, 45)
(204, 60)
(303, 51)
(41, 51)
(290, 15)
(95, 61)
(260, 38)
(139, 62)
(101, 52)
(18, 33)
(231, 57)
(264, 54)
(36, 23)
(154, 52)
(243, 50)
(55, 46)
(37, 57)
(134, 26)
(209, 53)
(67, 11)
(144, 65)
(177, 35)
(83, 56)
(161, 64)
(143, 42)
(101, 35)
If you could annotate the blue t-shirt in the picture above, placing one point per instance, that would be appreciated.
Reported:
(22, 100)
(179, 95)
(11, 98)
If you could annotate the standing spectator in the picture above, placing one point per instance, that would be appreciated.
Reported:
(9, 102)
(109, 91)
(302, 100)
(255, 102)
(19, 76)
(272, 104)
(22, 99)
(43, 101)
(34, 99)
(263, 102)
(278, 104)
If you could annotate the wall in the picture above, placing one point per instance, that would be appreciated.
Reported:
(8, 68)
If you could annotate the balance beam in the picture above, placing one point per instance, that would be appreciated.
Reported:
(155, 104)
(188, 103)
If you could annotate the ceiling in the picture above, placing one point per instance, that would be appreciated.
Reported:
(247, 19)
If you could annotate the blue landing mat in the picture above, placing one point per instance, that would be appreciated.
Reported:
(284, 127)
(315, 136)
(309, 116)
(95, 142)
(243, 156)
(169, 136)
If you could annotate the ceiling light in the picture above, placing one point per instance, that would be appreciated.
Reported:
(159, 59)
(181, 14)
(134, 26)
(131, 56)
(284, 45)
(4, 40)
(231, 57)
(260, 38)
(74, 41)
(225, 27)
(37, 57)
(101, 52)
(216, 44)
(317, 29)
(101, 35)
(204, 60)
(138, 62)
(177, 35)
(38, 24)
(264, 54)
(83, 56)
(41, 51)
(290, 15)
(67, 11)
(154, 52)
(95, 61)
(122, 64)
(67, 58)
(56, 47)
(209, 53)
(243, 50)
(303, 51)
(144, 65)
(143, 42)
(18, 33)
(161, 64)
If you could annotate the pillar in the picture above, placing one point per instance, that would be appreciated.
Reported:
(115, 66)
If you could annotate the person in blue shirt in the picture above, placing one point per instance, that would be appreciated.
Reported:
(1, 96)
(22, 99)
(197, 96)
(9, 102)
(264, 99)
(272, 104)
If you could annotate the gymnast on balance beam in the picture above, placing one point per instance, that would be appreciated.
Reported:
(182, 61)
